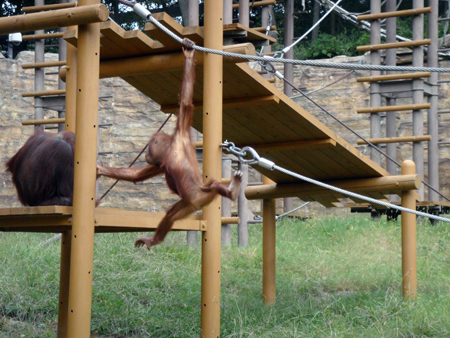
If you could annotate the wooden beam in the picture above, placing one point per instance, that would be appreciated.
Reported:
(164, 62)
(230, 220)
(44, 64)
(31, 9)
(39, 122)
(44, 93)
(393, 77)
(258, 3)
(396, 139)
(53, 19)
(407, 12)
(229, 104)
(264, 28)
(402, 44)
(42, 36)
(387, 184)
(394, 108)
(293, 145)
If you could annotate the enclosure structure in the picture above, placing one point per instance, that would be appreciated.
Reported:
(421, 89)
(232, 102)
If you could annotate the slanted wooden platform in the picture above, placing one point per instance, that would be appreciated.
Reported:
(255, 112)
(59, 218)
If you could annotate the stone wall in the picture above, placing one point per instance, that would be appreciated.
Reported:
(134, 118)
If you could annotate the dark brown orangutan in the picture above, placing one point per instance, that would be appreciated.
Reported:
(42, 170)
(175, 156)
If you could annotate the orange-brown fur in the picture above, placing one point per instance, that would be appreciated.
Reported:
(174, 155)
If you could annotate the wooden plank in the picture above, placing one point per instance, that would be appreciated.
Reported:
(230, 103)
(43, 64)
(31, 9)
(171, 24)
(280, 146)
(417, 106)
(45, 121)
(400, 139)
(391, 77)
(403, 44)
(42, 36)
(407, 12)
(44, 93)
(252, 34)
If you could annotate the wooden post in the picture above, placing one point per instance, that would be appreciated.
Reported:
(269, 228)
(39, 75)
(391, 117)
(64, 280)
(244, 13)
(82, 254)
(243, 208)
(192, 20)
(66, 237)
(417, 95)
(212, 157)
(288, 67)
(375, 97)
(432, 116)
(226, 203)
(62, 49)
(409, 268)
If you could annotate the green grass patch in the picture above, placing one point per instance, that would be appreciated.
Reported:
(335, 278)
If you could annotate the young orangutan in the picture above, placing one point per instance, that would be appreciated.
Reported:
(175, 157)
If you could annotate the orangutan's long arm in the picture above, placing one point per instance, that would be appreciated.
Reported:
(130, 174)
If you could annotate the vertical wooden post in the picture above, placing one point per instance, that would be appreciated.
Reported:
(82, 254)
(375, 97)
(269, 244)
(244, 13)
(417, 95)
(62, 51)
(243, 208)
(391, 117)
(39, 73)
(226, 203)
(64, 279)
(288, 67)
(212, 157)
(66, 237)
(433, 99)
(191, 235)
(409, 268)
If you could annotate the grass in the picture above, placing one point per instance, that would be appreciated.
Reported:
(335, 278)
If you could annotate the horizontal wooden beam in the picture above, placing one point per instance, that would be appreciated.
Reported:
(230, 220)
(293, 145)
(58, 18)
(228, 104)
(407, 12)
(164, 62)
(385, 185)
(391, 45)
(45, 121)
(31, 9)
(400, 139)
(264, 29)
(44, 93)
(57, 219)
(44, 64)
(42, 36)
(394, 108)
(393, 77)
(258, 3)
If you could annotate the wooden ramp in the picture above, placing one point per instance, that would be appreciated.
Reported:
(255, 113)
